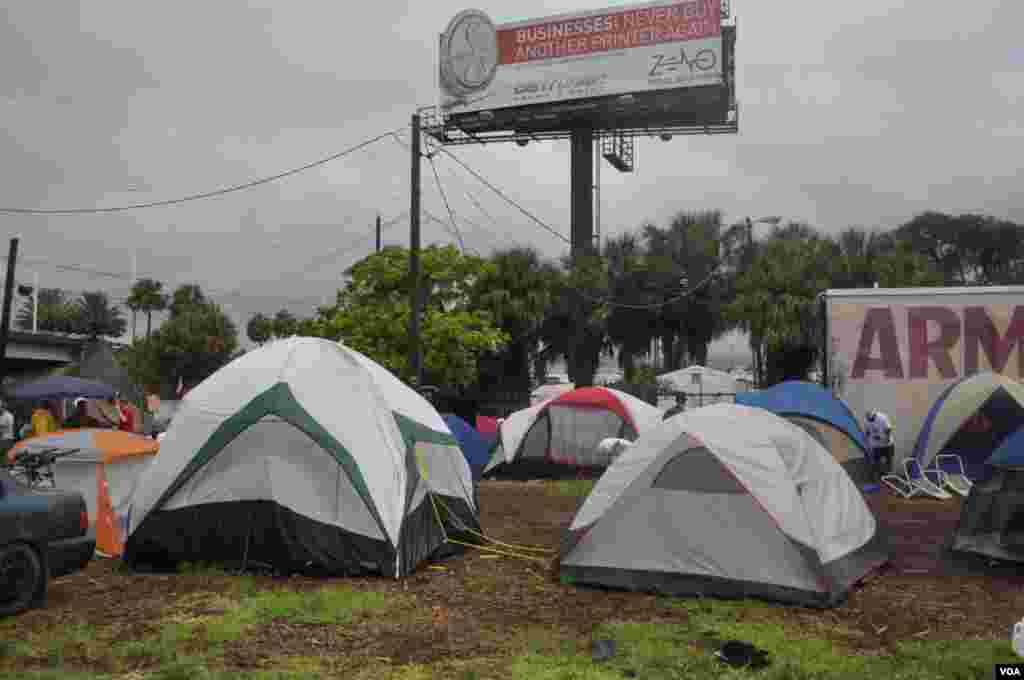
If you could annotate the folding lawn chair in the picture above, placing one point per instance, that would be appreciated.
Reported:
(956, 481)
(924, 482)
(901, 485)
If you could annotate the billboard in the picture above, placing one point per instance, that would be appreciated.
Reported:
(636, 49)
(897, 351)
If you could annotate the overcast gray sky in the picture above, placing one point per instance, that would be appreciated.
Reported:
(852, 113)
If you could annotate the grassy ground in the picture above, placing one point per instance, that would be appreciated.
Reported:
(212, 632)
(193, 648)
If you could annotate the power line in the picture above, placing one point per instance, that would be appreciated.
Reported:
(656, 305)
(500, 193)
(206, 194)
(444, 197)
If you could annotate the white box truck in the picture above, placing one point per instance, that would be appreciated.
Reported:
(896, 349)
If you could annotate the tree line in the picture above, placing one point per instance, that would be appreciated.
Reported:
(495, 322)
(195, 340)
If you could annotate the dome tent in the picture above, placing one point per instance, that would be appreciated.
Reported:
(560, 436)
(725, 501)
(308, 456)
(970, 419)
(824, 417)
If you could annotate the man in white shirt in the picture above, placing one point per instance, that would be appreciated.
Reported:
(881, 443)
(6, 430)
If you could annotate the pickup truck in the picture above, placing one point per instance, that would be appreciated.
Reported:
(43, 534)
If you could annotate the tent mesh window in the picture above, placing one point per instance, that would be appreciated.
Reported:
(696, 470)
(535, 443)
(995, 509)
(576, 432)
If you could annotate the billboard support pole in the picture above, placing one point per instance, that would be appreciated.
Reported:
(597, 195)
(581, 183)
(5, 321)
(415, 355)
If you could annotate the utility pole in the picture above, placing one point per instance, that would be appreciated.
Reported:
(415, 353)
(378, 232)
(35, 302)
(5, 320)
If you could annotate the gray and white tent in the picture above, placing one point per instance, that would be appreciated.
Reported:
(725, 501)
(308, 456)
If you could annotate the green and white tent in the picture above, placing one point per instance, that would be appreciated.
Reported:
(307, 456)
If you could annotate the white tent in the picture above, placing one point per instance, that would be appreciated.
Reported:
(306, 455)
(562, 435)
(702, 385)
(727, 501)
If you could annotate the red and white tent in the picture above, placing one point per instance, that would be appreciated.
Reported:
(560, 436)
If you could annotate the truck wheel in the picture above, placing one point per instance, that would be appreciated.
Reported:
(21, 578)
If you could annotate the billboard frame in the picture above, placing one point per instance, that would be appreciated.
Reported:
(676, 111)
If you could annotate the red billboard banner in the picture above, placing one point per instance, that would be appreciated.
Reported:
(619, 30)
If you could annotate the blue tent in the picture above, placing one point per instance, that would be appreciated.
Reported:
(822, 415)
(473, 444)
(1010, 453)
(62, 387)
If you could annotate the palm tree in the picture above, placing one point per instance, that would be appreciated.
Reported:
(147, 297)
(186, 297)
(518, 290)
(97, 317)
(632, 320)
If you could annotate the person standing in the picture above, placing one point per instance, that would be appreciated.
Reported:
(43, 421)
(126, 414)
(881, 442)
(6, 430)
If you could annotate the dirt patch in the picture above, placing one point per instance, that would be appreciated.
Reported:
(478, 605)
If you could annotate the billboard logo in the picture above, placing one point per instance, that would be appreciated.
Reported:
(469, 54)
(558, 85)
(696, 61)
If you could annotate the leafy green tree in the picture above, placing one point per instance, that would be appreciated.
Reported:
(260, 328)
(57, 313)
(146, 297)
(284, 324)
(193, 343)
(98, 317)
(372, 315)
(967, 249)
(902, 267)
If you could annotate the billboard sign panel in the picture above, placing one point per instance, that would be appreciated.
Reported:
(634, 49)
(898, 352)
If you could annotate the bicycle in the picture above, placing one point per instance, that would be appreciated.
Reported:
(35, 468)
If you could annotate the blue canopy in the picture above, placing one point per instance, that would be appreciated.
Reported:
(1010, 453)
(62, 387)
(474, 446)
(799, 398)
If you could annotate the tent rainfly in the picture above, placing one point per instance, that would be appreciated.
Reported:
(824, 417)
(725, 501)
(307, 456)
